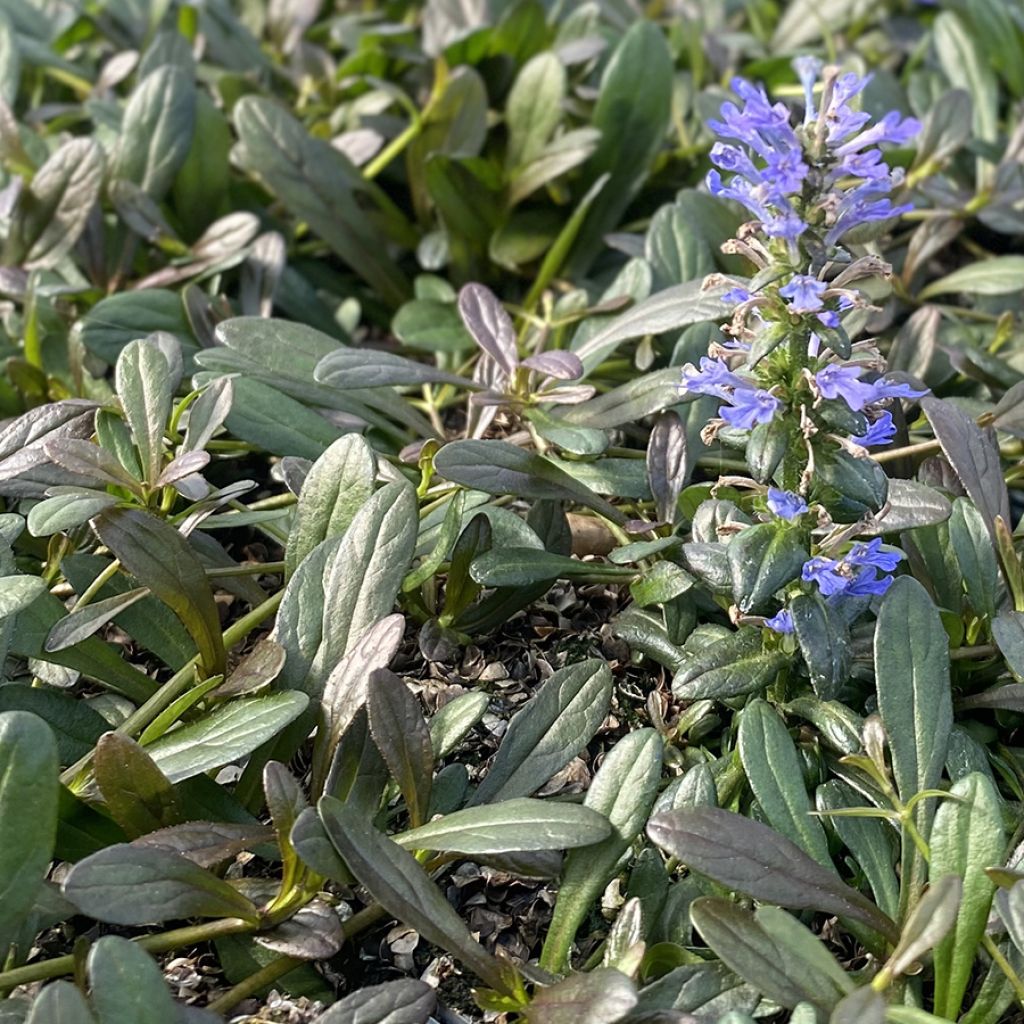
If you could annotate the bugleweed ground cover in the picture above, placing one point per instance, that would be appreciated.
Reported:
(511, 511)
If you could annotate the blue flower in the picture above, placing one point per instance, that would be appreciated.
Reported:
(881, 431)
(787, 225)
(868, 583)
(885, 389)
(838, 381)
(871, 554)
(826, 572)
(748, 407)
(808, 69)
(862, 572)
(713, 378)
(737, 295)
(804, 293)
(892, 128)
(782, 622)
(785, 505)
(829, 318)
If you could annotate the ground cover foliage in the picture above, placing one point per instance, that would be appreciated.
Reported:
(511, 511)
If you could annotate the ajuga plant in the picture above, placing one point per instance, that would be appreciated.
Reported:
(508, 512)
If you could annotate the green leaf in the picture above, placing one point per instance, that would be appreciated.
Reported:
(60, 1003)
(135, 885)
(870, 840)
(18, 592)
(401, 734)
(631, 133)
(967, 67)
(498, 467)
(345, 690)
(397, 881)
(149, 622)
(751, 858)
(824, 642)
(631, 401)
(623, 790)
(762, 560)
(998, 276)
(320, 186)
(156, 132)
(552, 728)
(684, 237)
(357, 585)
(66, 511)
(772, 951)
(929, 922)
(976, 556)
(731, 668)
(450, 723)
(447, 535)
(861, 1006)
(772, 765)
(519, 824)
(92, 657)
(405, 1001)
(118, 319)
(52, 212)
(603, 995)
(126, 985)
(349, 368)
(225, 735)
(83, 623)
(1008, 633)
(208, 843)
(264, 415)
(522, 566)
(309, 840)
(912, 681)
(161, 559)
(534, 107)
(75, 725)
(28, 809)
(662, 583)
(973, 455)
(431, 326)
(139, 797)
(967, 836)
(285, 803)
(144, 385)
(667, 310)
(339, 483)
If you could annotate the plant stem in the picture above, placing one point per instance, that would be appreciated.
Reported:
(254, 983)
(252, 569)
(357, 923)
(923, 448)
(181, 681)
(982, 651)
(392, 149)
(97, 584)
(161, 942)
(1004, 965)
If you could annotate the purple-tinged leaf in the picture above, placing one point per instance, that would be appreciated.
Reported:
(485, 318)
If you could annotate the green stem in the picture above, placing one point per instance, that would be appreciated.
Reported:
(161, 942)
(181, 681)
(97, 584)
(392, 149)
(1005, 966)
(255, 983)
(253, 569)
(357, 923)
